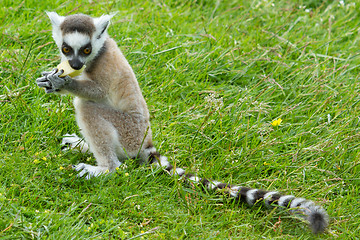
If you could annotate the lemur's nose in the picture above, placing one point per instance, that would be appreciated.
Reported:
(76, 64)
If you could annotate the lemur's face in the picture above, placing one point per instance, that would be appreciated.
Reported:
(79, 37)
(77, 48)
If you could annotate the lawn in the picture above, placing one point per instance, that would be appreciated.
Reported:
(215, 75)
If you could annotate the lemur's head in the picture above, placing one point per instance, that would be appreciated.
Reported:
(79, 37)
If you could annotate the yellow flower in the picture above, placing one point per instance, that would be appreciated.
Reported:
(117, 169)
(276, 122)
(36, 161)
(61, 168)
(126, 174)
(44, 158)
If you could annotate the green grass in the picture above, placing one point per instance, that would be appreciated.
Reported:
(215, 74)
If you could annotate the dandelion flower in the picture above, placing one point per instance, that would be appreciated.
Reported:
(126, 174)
(36, 161)
(276, 122)
(61, 168)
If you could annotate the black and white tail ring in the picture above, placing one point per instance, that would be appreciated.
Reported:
(314, 214)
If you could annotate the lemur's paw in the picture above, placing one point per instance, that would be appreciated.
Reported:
(44, 81)
(56, 82)
(89, 171)
(72, 141)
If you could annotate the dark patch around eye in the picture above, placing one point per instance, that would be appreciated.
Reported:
(66, 46)
(87, 46)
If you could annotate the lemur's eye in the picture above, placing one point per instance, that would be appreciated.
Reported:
(66, 50)
(87, 51)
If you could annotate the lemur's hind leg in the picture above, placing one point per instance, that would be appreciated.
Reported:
(102, 146)
(72, 141)
(102, 137)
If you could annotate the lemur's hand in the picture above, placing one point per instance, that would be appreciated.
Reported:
(44, 81)
(57, 82)
(51, 81)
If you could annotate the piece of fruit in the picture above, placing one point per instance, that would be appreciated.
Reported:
(68, 70)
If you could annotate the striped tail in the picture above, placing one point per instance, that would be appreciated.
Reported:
(314, 214)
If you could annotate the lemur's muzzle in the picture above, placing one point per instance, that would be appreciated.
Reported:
(76, 64)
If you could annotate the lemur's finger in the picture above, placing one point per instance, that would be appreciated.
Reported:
(45, 73)
(59, 72)
(83, 173)
(48, 73)
(54, 78)
(49, 90)
(44, 84)
(41, 79)
(79, 167)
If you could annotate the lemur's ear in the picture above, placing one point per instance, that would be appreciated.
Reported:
(55, 18)
(102, 23)
(56, 21)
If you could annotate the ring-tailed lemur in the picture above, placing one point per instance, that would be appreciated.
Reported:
(113, 116)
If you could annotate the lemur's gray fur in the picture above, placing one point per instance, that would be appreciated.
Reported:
(113, 116)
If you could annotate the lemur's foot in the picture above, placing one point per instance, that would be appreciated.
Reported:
(89, 171)
(72, 141)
